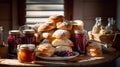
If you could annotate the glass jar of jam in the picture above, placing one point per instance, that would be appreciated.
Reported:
(28, 37)
(14, 39)
(26, 53)
(80, 39)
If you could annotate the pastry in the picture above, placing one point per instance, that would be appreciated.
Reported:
(63, 48)
(48, 34)
(56, 18)
(94, 49)
(78, 24)
(47, 40)
(46, 27)
(64, 25)
(60, 42)
(46, 50)
(61, 34)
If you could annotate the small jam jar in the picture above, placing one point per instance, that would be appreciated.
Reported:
(26, 53)
(14, 39)
(80, 40)
(28, 36)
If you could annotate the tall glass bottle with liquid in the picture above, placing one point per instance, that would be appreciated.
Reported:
(96, 28)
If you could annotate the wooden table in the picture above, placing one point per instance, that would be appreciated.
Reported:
(80, 61)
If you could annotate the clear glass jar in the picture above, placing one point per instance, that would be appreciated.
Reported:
(80, 41)
(26, 53)
(14, 39)
(28, 37)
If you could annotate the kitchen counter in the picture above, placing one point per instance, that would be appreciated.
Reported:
(81, 61)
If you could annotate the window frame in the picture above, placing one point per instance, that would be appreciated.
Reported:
(68, 11)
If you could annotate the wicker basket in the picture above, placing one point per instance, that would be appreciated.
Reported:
(113, 39)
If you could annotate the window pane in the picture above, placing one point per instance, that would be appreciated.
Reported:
(40, 10)
(44, 1)
(36, 20)
(43, 13)
(45, 7)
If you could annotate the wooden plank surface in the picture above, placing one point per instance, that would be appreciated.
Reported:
(77, 61)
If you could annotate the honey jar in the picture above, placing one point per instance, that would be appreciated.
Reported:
(26, 53)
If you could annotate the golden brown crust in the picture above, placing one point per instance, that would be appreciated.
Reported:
(78, 24)
(48, 34)
(61, 34)
(63, 48)
(61, 42)
(56, 18)
(46, 27)
(64, 25)
(46, 50)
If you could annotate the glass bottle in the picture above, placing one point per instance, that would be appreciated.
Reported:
(97, 26)
(1, 36)
(14, 39)
(111, 26)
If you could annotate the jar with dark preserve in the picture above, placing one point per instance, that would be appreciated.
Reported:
(80, 41)
(26, 53)
(14, 39)
(28, 37)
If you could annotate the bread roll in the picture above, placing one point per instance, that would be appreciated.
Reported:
(56, 18)
(64, 25)
(61, 34)
(46, 27)
(78, 24)
(63, 48)
(38, 37)
(47, 40)
(60, 42)
(48, 34)
(94, 49)
(46, 50)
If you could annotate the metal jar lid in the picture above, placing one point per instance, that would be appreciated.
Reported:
(29, 31)
(27, 46)
(14, 32)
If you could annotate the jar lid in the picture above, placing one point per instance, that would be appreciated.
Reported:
(14, 32)
(29, 31)
(27, 46)
(79, 31)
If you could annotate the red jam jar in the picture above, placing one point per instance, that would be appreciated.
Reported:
(14, 39)
(80, 39)
(28, 37)
(26, 53)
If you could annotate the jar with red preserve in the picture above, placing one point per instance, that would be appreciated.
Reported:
(26, 53)
(28, 37)
(80, 39)
(14, 39)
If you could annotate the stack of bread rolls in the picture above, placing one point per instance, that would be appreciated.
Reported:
(54, 32)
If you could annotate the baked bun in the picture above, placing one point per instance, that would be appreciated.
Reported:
(78, 24)
(61, 34)
(61, 42)
(38, 37)
(64, 25)
(46, 27)
(47, 40)
(46, 50)
(56, 18)
(94, 49)
(63, 48)
(48, 34)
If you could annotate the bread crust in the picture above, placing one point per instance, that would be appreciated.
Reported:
(64, 25)
(61, 34)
